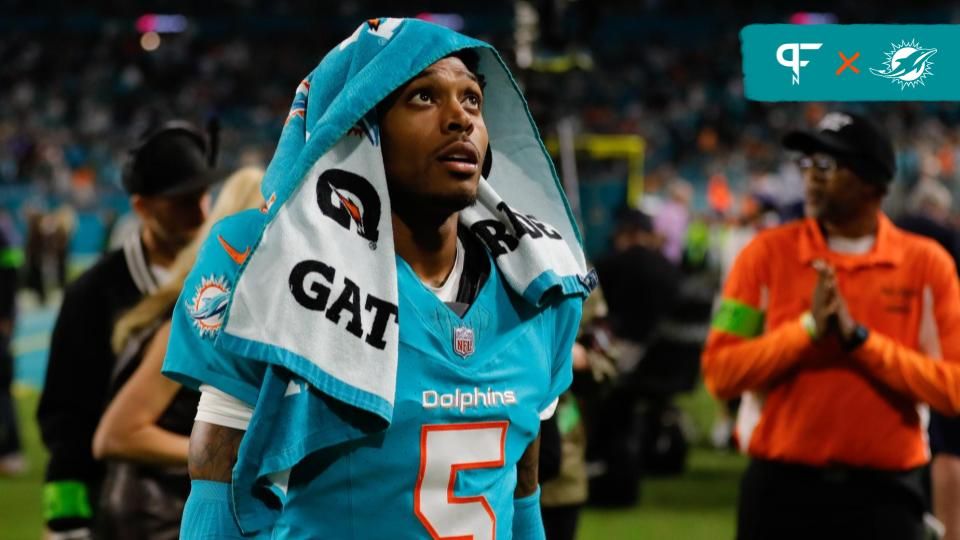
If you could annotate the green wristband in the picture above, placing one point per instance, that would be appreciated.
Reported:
(65, 500)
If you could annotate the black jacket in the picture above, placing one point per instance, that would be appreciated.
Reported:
(640, 286)
(9, 266)
(78, 375)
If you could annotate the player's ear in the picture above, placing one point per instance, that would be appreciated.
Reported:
(487, 163)
(139, 205)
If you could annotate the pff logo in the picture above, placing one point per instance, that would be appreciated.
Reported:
(794, 62)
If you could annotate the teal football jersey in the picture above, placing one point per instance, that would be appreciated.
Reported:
(470, 392)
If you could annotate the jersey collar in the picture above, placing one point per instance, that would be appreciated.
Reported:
(886, 250)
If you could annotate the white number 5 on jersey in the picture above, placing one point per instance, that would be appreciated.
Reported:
(445, 450)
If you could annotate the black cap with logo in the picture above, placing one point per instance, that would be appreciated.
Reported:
(853, 141)
(174, 159)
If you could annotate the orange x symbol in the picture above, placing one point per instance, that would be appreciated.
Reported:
(848, 62)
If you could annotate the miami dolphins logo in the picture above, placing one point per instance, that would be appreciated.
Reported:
(208, 304)
(907, 64)
(368, 128)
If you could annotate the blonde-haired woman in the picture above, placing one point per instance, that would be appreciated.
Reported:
(144, 433)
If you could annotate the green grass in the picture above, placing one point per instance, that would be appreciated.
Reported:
(698, 505)
(20, 497)
(701, 410)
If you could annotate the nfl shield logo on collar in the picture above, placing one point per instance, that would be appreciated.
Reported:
(463, 341)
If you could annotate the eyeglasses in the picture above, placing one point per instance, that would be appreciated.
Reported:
(823, 163)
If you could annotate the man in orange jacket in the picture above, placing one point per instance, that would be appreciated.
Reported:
(831, 414)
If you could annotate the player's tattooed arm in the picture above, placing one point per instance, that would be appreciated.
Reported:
(527, 470)
(213, 451)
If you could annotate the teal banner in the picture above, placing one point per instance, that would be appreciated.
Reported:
(857, 62)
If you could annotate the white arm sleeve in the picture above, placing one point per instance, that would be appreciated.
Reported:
(222, 409)
(547, 413)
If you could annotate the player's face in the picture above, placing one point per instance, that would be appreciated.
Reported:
(434, 139)
(832, 192)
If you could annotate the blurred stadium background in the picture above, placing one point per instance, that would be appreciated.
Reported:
(641, 103)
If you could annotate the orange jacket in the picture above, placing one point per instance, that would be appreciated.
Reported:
(812, 403)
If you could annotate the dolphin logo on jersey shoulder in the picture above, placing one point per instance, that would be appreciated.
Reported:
(209, 303)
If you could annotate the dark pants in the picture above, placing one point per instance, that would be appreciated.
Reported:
(785, 502)
(560, 522)
(34, 280)
(9, 436)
